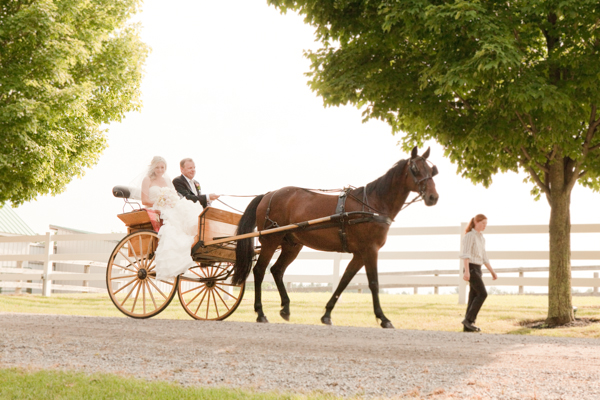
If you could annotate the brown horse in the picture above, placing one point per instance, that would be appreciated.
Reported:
(360, 235)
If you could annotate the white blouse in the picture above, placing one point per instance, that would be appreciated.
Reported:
(473, 248)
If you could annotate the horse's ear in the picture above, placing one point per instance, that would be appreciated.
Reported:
(426, 154)
(414, 152)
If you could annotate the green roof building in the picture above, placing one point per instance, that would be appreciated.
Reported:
(11, 224)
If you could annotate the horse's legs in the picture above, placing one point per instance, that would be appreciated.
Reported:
(289, 252)
(353, 267)
(371, 268)
(266, 253)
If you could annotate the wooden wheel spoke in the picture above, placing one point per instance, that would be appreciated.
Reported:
(137, 294)
(156, 287)
(208, 302)
(125, 268)
(194, 288)
(215, 302)
(196, 296)
(224, 303)
(151, 295)
(123, 277)
(123, 287)
(150, 263)
(141, 251)
(226, 292)
(201, 301)
(128, 259)
(193, 271)
(132, 249)
(144, 296)
(137, 281)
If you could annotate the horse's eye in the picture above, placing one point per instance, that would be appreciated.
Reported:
(434, 171)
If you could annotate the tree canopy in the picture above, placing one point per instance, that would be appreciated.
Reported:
(502, 86)
(66, 68)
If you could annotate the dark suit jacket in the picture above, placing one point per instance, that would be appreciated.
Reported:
(184, 189)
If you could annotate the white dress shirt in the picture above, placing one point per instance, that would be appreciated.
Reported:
(473, 248)
(192, 185)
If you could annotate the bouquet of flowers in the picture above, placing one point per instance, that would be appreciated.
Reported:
(167, 198)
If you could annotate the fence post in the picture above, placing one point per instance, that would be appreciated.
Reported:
(521, 274)
(596, 287)
(47, 283)
(335, 278)
(436, 289)
(86, 270)
(416, 290)
(18, 288)
(462, 285)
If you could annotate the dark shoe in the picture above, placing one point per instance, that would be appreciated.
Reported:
(468, 327)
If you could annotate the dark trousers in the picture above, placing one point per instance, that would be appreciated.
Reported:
(477, 293)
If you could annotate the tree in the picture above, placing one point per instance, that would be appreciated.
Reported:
(502, 86)
(66, 68)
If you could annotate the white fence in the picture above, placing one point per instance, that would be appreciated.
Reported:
(18, 277)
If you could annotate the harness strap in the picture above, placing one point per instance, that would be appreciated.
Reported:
(272, 224)
(341, 210)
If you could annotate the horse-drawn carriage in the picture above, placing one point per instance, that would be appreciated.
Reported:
(225, 254)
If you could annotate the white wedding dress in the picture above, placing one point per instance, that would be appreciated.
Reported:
(176, 236)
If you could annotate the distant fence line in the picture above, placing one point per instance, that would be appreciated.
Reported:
(19, 277)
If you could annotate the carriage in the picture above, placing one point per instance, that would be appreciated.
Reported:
(205, 291)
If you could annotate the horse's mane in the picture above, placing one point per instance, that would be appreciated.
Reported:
(382, 184)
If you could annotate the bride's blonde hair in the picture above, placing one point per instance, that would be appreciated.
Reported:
(153, 164)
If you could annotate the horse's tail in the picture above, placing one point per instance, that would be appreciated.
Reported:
(244, 251)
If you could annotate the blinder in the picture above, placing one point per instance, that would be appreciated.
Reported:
(414, 170)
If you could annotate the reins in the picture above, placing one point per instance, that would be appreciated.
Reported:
(412, 168)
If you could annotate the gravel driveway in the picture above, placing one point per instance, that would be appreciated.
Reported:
(302, 358)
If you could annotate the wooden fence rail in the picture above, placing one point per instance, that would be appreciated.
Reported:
(17, 277)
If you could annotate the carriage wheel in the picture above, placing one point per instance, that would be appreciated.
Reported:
(215, 298)
(131, 277)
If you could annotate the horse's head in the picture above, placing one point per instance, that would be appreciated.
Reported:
(422, 177)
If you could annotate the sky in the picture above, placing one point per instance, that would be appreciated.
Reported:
(225, 85)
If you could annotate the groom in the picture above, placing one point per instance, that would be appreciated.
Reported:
(187, 187)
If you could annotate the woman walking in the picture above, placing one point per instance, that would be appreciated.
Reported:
(474, 255)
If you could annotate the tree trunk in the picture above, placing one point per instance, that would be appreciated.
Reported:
(560, 306)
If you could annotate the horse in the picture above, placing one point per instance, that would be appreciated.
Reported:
(361, 228)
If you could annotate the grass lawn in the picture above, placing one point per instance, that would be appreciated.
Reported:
(19, 384)
(501, 314)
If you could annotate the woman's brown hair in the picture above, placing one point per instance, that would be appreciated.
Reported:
(474, 220)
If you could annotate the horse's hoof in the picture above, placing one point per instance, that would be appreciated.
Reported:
(387, 325)
(284, 315)
(326, 320)
(262, 320)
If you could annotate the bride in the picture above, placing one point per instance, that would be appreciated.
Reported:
(180, 221)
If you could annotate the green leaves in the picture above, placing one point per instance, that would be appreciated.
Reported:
(502, 86)
(66, 68)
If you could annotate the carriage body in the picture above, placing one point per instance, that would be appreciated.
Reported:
(205, 291)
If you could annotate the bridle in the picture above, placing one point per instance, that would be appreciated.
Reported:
(414, 171)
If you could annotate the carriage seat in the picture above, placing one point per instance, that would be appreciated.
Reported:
(127, 192)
